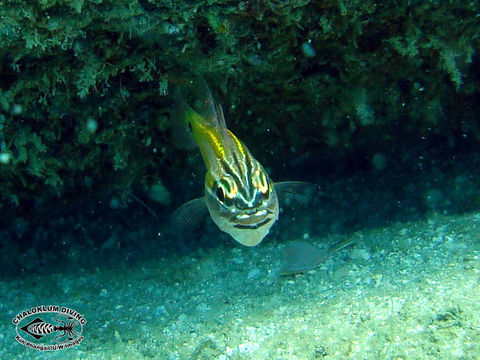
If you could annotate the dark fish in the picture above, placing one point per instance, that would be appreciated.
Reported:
(300, 256)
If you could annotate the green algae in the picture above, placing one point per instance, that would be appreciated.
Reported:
(383, 77)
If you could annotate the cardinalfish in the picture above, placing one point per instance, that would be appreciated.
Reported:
(240, 196)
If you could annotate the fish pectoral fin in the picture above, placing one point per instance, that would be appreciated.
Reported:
(293, 193)
(189, 215)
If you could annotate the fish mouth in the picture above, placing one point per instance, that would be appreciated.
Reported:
(253, 226)
(252, 221)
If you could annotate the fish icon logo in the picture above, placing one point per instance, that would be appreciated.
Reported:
(38, 328)
(49, 328)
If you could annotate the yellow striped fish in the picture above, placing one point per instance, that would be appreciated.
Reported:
(239, 195)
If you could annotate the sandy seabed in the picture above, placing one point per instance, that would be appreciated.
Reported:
(405, 291)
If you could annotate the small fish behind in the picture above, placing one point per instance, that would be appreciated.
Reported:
(239, 195)
(299, 256)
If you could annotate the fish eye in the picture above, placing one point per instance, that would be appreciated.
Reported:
(223, 192)
(220, 194)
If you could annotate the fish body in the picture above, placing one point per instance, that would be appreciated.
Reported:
(239, 195)
(299, 256)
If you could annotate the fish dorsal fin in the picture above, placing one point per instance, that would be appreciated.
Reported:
(293, 193)
(340, 245)
(221, 117)
(222, 128)
(188, 216)
(200, 99)
(211, 111)
(194, 101)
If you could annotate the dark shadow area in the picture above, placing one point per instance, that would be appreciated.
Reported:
(112, 229)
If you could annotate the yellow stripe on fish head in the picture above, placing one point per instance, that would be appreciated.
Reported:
(241, 148)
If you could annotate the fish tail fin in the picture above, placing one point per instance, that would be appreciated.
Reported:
(181, 126)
